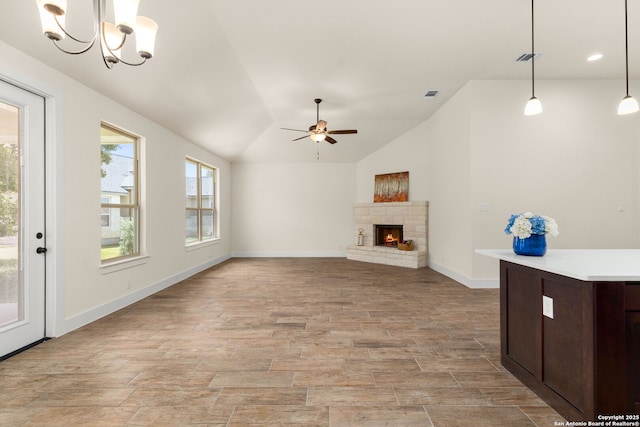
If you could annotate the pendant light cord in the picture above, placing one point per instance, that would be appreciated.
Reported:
(533, 56)
(626, 45)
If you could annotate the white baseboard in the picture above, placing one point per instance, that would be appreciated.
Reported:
(341, 254)
(469, 283)
(94, 314)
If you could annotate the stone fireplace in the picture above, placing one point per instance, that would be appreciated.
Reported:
(403, 221)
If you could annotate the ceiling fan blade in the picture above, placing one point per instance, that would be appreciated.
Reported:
(298, 139)
(342, 132)
(321, 126)
(297, 130)
(330, 140)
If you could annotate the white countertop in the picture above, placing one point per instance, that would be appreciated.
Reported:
(607, 265)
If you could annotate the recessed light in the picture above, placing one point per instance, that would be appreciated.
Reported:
(595, 57)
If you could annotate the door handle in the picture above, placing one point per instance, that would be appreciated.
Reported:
(41, 250)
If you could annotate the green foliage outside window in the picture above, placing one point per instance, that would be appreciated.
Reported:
(8, 214)
(105, 155)
(127, 237)
(9, 179)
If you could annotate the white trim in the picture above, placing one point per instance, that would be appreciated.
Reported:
(96, 313)
(202, 244)
(469, 283)
(123, 264)
(340, 254)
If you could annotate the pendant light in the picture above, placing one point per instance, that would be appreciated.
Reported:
(533, 106)
(628, 105)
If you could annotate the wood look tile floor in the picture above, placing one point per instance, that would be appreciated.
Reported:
(281, 342)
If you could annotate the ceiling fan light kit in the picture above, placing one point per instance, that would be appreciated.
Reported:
(111, 36)
(317, 137)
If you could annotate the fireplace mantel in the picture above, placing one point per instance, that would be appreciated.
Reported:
(413, 216)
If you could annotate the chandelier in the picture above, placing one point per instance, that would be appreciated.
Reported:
(111, 36)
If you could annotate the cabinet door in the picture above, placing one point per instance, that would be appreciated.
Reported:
(633, 364)
(521, 318)
(568, 342)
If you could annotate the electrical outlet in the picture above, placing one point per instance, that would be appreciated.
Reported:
(547, 306)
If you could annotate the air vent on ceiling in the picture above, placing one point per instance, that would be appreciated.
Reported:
(431, 94)
(526, 57)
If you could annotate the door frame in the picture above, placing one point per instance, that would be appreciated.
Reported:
(54, 195)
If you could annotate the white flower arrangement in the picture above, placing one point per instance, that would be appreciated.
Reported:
(525, 224)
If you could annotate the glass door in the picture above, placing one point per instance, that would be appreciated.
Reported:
(22, 213)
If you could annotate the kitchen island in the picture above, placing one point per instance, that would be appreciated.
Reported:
(570, 328)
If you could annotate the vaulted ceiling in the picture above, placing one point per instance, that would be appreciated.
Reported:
(227, 75)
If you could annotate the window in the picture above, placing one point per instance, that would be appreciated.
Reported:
(201, 207)
(105, 216)
(119, 194)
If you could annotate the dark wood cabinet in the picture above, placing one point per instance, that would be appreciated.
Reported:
(582, 355)
(632, 305)
(522, 339)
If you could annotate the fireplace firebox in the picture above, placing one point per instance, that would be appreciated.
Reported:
(388, 235)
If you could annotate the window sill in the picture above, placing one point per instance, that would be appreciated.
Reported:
(199, 245)
(114, 266)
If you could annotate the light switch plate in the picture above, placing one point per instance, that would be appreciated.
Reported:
(547, 306)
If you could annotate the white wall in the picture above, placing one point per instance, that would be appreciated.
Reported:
(406, 153)
(449, 160)
(436, 154)
(577, 162)
(283, 209)
(84, 291)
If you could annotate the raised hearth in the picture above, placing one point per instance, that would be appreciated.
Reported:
(412, 216)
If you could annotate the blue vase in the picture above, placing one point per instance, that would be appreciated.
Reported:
(535, 245)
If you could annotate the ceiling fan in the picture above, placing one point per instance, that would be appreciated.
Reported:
(319, 132)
